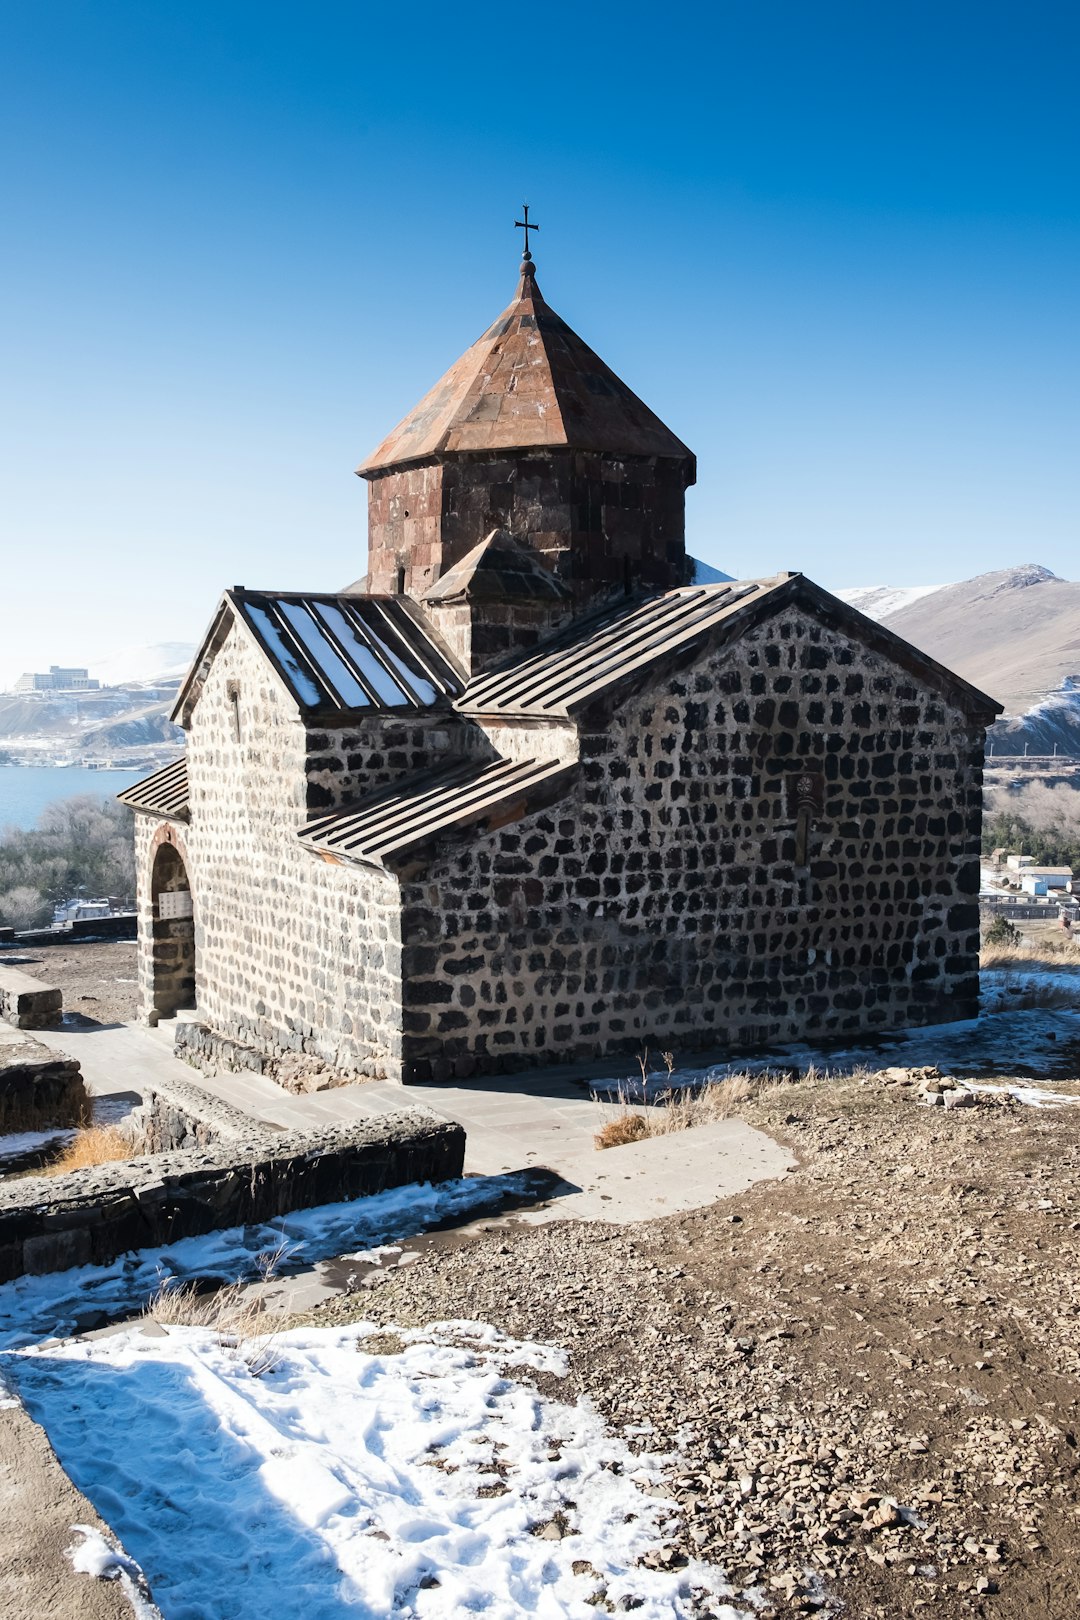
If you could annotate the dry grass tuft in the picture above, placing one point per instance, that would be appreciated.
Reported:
(726, 1097)
(681, 1110)
(626, 1128)
(235, 1312)
(96, 1144)
(1051, 955)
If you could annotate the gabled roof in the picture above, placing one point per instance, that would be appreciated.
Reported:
(335, 654)
(499, 570)
(163, 794)
(593, 655)
(397, 822)
(529, 382)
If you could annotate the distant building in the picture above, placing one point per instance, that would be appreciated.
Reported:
(1041, 879)
(58, 680)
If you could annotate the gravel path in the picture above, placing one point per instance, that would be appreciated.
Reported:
(871, 1368)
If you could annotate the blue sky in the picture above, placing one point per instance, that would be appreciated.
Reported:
(835, 246)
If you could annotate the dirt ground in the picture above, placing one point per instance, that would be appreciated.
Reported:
(871, 1369)
(98, 979)
(39, 1508)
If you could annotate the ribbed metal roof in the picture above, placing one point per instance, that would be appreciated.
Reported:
(163, 794)
(392, 822)
(348, 652)
(593, 653)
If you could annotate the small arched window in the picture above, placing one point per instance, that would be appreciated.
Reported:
(232, 691)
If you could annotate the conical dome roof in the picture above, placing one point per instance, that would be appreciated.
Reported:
(528, 383)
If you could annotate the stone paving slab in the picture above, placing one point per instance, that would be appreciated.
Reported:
(543, 1119)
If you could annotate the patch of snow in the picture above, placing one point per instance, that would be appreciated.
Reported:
(882, 601)
(17, 1143)
(1062, 704)
(1030, 1043)
(1001, 986)
(1030, 1096)
(55, 1304)
(428, 1483)
(1066, 696)
(94, 1556)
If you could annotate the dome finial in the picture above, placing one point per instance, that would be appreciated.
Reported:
(525, 225)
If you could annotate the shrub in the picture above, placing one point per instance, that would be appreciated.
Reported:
(1003, 933)
(680, 1110)
(24, 907)
(78, 844)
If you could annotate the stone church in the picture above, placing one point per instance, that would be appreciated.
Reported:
(532, 792)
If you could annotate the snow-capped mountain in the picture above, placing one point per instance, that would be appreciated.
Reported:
(882, 601)
(137, 666)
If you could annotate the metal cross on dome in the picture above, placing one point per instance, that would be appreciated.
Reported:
(525, 225)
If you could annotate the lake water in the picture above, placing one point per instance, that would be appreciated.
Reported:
(25, 790)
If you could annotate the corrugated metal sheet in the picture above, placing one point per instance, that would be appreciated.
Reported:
(592, 654)
(163, 794)
(349, 653)
(393, 822)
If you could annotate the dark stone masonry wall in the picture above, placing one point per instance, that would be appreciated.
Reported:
(27, 1003)
(40, 1089)
(178, 1116)
(669, 900)
(605, 513)
(346, 764)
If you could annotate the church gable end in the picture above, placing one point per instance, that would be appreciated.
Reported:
(778, 839)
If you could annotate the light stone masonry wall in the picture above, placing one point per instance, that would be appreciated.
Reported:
(293, 953)
(661, 903)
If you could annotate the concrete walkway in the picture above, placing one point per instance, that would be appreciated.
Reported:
(545, 1119)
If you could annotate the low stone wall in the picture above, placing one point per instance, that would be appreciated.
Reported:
(210, 1051)
(40, 1090)
(124, 926)
(205, 1049)
(89, 1217)
(181, 1116)
(27, 1003)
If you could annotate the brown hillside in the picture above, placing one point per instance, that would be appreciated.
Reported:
(1015, 633)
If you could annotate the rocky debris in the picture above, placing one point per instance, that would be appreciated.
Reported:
(868, 1383)
(937, 1090)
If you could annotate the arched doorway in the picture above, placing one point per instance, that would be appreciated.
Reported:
(173, 956)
